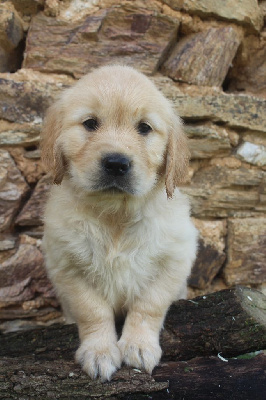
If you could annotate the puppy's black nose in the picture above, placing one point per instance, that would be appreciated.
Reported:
(116, 164)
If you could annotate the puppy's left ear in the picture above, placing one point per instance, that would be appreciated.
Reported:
(177, 157)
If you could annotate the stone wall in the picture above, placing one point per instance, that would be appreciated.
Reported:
(208, 57)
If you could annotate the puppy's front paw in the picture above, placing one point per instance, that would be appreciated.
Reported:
(140, 352)
(99, 359)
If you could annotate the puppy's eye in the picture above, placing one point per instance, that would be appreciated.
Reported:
(91, 124)
(143, 128)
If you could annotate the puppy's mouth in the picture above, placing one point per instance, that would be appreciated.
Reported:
(115, 174)
(113, 187)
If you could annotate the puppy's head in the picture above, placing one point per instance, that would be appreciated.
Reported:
(113, 131)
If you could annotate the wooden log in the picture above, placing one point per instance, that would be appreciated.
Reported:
(40, 362)
(200, 378)
(211, 378)
(230, 322)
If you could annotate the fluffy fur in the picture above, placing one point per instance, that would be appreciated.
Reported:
(116, 244)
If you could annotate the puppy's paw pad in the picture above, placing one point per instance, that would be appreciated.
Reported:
(99, 361)
(140, 354)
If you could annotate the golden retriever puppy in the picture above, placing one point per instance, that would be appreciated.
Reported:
(118, 237)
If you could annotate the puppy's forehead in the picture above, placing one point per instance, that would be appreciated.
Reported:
(112, 88)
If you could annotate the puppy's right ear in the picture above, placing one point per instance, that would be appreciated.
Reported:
(52, 155)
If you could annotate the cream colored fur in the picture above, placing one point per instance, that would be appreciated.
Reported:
(117, 253)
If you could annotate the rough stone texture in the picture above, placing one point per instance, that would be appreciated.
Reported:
(25, 95)
(27, 8)
(249, 68)
(7, 242)
(12, 188)
(32, 212)
(246, 251)
(11, 27)
(188, 63)
(252, 153)
(206, 141)
(201, 103)
(211, 255)
(14, 134)
(11, 35)
(247, 12)
(29, 163)
(128, 35)
(226, 125)
(225, 190)
(24, 287)
(71, 10)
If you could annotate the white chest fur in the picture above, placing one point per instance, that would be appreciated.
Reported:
(119, 261)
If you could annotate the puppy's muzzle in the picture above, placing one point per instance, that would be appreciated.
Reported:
(116, 164)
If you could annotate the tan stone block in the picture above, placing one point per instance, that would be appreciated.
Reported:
(248, 73)
(246, 251)
(14, 134)
(27, 8)
(11, 26)
(123, 34)
(203, 58)
(225, 190)
(11, 36)
(25, 95)
(207, 140)
(246, 13)
(202, 102)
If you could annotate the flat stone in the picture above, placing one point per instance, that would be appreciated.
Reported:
(189, 63)
(211, 255)
(12, 189)
(248, 73)
(23, 276)
(201, 103)
(248, 13)
(7, 242)
(246, 251)
(14, 134)
(71, 10)
(25, 95)
(27, 8)
(252, 153)
(122, 34)
(11, 36)
(25, 290)
(11, 26)
(31, 167)
(37, 91)
(206, 141)
(227, 190)
(32, 212)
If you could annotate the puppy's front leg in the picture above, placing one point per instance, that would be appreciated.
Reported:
(98, 353)
(139, 343)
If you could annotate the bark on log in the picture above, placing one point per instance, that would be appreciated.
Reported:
(197, 379)
(40, 363)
